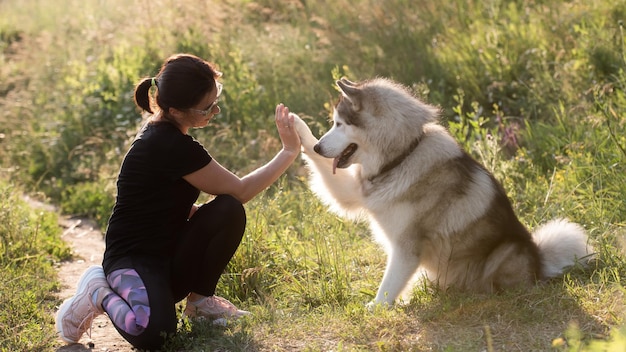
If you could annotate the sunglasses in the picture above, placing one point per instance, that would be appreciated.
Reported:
(208, 110)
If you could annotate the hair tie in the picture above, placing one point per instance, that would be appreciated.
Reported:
(153, 82)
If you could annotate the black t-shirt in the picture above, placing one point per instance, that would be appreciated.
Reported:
(153, 200)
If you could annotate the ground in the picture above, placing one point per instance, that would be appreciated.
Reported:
(87, 246)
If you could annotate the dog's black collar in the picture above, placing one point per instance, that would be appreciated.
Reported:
(398, 160)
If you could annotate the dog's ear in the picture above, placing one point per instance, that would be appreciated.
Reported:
(350, 92)
(347, 82)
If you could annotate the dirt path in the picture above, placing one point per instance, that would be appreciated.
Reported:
(87, 244)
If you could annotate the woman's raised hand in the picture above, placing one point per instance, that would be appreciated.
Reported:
(286, 130)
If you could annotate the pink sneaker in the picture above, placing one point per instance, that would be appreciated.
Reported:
(213, 307)
(76, 314)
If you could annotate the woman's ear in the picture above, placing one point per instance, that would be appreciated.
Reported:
(175, 112)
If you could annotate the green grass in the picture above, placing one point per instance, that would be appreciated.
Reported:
(533, 89)
(29, 246)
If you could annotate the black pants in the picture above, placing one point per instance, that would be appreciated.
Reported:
(205, 246)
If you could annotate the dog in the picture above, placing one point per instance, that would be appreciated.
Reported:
(436, 211)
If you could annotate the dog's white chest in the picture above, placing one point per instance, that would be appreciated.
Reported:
(389, 224)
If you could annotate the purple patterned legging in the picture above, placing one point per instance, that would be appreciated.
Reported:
(129, 309)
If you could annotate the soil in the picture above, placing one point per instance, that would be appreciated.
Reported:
(87, 244)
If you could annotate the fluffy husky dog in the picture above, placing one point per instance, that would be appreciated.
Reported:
(429, 203)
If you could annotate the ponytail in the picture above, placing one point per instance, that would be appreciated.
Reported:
(181, 83)
(142, 94)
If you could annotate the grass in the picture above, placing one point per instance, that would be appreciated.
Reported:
(30, 244)
(316, 302)
(533, 89)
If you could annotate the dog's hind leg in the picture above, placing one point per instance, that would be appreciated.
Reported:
(402, 264)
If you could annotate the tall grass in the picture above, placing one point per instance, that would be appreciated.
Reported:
(29, 244)
(533, 89)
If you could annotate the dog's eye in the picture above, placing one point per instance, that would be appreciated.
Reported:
(338, 124)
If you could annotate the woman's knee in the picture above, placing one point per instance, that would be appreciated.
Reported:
(223, 214)
(234, 215)
(224, 207)
(231, 205)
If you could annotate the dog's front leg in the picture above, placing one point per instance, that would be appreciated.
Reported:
(402, 263)
(307, 138)
(340, 191)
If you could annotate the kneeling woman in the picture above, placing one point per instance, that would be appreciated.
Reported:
(160, 247)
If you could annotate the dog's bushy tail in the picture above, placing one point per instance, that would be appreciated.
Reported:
(562, 244)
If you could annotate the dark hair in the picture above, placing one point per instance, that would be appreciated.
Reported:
(181, 83)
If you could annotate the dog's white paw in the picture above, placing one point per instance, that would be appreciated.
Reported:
(306, 136)
(374, 305)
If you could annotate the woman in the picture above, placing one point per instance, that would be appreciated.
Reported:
(160, 247)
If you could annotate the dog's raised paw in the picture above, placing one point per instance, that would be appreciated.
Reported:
(306, 136)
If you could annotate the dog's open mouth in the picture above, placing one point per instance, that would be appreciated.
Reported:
(342, 160)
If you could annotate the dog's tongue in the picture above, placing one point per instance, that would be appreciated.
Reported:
(335, 162)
